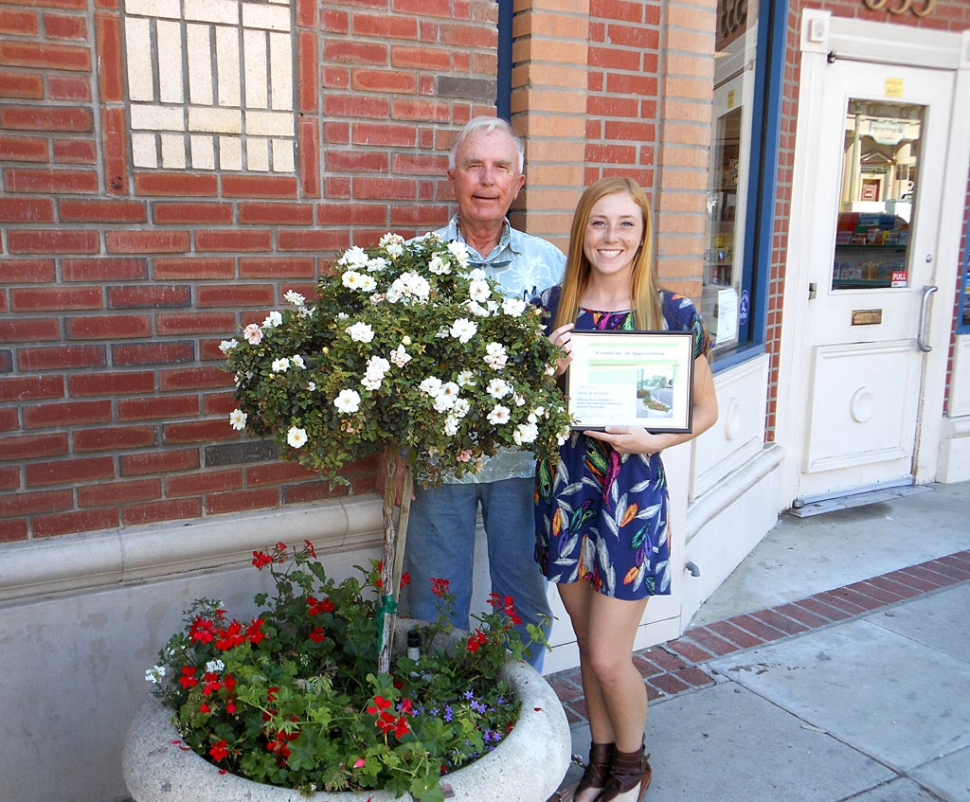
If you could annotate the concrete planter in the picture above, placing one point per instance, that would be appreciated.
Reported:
(526, 767)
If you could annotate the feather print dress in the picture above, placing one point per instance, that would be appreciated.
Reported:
(601, 515)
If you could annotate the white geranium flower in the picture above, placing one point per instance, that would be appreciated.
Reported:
(214, 666)
(400, 357)
(498, 388)
(498, 415)
(355, 256)
(155, 674)
(361, 332)
(479, 290)
(431, 386)
(513, 306)
(280, 365)
(347, 401)
(463, 329)
(460, 251)
(297, 360)
(525, 433)
(293, 297)
(273, 319)
(228, 345)
(253, 334)
(237, 419)
(296, 437)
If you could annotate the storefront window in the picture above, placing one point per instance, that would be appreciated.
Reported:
(879, 178)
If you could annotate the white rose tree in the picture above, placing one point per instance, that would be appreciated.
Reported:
(405, 352)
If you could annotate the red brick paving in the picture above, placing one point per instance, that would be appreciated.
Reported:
(678, 665)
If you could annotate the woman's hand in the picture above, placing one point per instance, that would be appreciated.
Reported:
(563, 337)
(630, 439)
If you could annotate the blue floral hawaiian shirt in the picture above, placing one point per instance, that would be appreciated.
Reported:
(524, 266)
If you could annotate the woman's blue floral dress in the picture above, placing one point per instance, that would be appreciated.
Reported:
(601, 515)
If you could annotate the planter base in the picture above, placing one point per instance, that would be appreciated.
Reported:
(526, 767)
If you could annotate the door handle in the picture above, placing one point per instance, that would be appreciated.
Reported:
(921, 343)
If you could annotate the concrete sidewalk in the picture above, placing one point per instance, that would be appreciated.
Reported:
(833, 664)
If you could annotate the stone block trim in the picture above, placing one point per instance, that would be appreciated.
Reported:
(678, 666)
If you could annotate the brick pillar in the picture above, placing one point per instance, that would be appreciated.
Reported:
(549, 91)
(686, 107)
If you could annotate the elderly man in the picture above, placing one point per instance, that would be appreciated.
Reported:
(485, 171)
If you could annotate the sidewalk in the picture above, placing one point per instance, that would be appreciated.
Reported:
(833, 664)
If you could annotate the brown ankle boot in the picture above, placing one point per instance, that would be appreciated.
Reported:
(598, 767)
(627, 771)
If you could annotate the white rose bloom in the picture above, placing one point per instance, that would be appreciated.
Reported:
(355, 256)
(361, 332)
(497, 388)
(237, 419)
(253, 334)
(499, 414)
(463, 329)
(312, 387)
(420, 288)
(228, 345)
(400, 357)
(367, 284)
(347, 401)
(451, 425)
(538, 412)
(297, 360)
(305, 311)
(477, 274)
(461, 408)
(390, 238)
(495, 356)
(293, 297)
(519, 400)
(351, 280)
(280, 365)
(442, 403)
(525, 433)
(296, 437)
(551, 370)
(479, 290)
(273, 319)
(406, 340)
(466, 379)
(376, 265)
(378, 365)
(342, 316)
(439, 266)
(513, 306)
(431, 386)
(372, 381)
(450, 389)
(477, 309)
(492, 306)
(459, 251)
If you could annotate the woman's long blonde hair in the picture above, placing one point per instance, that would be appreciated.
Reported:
(647, 314)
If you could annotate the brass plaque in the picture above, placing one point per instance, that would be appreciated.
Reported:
(866, 317)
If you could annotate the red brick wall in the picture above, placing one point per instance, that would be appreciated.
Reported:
(946, 15)
(117, 284)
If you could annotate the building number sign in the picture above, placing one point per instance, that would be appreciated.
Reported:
(920, 8)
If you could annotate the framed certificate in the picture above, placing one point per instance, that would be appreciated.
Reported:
(631, 378)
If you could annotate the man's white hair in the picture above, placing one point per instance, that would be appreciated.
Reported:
(486, 125)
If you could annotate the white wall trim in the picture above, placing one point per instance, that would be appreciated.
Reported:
(38, 568)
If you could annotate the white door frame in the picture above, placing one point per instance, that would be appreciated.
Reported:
(821, 35)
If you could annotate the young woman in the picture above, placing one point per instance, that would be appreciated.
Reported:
(601, 512)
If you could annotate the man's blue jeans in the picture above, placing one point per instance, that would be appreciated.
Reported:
(441, 544)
